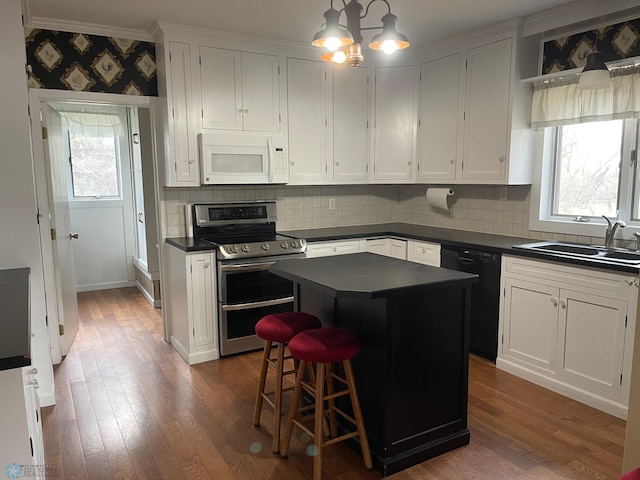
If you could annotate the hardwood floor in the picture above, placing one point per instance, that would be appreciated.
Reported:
(129, 407)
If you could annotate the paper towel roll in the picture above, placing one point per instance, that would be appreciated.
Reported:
(437, 197)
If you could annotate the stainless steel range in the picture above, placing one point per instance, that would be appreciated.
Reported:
(244, 235)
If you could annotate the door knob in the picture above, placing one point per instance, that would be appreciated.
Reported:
(73, 235)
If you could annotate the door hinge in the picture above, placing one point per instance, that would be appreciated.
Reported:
(461, 165)
(45, 134)
(626, 319)
(634, 157)
(169, 57)
(504, 292)
(620, 379)
(200, 59)
(502, 340)
(38, 215)
(61, 329)
(194, 332)
(53, 234)
(46, 320)
(278, 69)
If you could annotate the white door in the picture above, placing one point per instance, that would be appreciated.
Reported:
(67, 301)
(260, 93)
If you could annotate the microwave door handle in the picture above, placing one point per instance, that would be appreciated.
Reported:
(269, 161)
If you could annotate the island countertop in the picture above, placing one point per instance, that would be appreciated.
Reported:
(366, 275)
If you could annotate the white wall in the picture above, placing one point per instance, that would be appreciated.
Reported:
(19, 241)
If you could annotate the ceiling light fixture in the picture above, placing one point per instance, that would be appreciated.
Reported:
(595, 73)
(344, 43)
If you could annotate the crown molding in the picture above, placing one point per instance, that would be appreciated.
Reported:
(80, 27)
(579, 15)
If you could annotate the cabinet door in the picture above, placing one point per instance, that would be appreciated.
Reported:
(203, 285)
(260, 93)
(220, 77)
(487, 112)
(591, 341)
(439, 119)
(306, 99)
(530, 323)
(394, 124)
(350, 124)
(183, 149)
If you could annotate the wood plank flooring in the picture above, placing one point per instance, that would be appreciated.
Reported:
(128, 407)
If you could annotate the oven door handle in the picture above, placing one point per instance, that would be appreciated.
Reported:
(248, 306)
(246, 267)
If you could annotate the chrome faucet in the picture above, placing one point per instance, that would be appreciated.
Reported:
(611, 231)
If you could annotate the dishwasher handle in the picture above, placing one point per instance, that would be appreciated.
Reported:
(466, 260)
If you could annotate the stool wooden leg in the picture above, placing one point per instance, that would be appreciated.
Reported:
(277, 410)
(357, 414)
(332, 401)
(318, 438)
(263, 378)
(295, 401)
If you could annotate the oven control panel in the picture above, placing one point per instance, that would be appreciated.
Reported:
(262, 249)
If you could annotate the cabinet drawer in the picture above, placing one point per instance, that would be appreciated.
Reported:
(426, 253)
(578, 277)
(326, 249)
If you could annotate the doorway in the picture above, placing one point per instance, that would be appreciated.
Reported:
(106, 148)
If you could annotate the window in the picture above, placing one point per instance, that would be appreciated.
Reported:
(94, 166)
(589, 170)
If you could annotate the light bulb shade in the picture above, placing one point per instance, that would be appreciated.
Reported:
(595, 73)
(333, 36)
(389, 40)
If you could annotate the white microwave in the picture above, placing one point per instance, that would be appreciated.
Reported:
(236, 159)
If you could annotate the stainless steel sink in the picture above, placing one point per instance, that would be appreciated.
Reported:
(591, 252)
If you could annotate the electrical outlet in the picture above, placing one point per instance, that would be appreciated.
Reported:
(332, 203)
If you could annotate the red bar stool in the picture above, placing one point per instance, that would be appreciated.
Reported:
(324, 347)
(278, 328)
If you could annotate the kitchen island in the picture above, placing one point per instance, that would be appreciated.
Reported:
(413, 325)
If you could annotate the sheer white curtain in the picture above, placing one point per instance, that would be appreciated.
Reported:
(560, 102)
(93, 123)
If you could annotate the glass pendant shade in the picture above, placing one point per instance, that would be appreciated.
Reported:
(389, 40)
(595, 74)
(333, 36)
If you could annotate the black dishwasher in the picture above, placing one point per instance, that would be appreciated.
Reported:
(485, 295)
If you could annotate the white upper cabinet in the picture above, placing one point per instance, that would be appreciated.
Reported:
(487, 112)
(240, 90)
(440, 120)
(350, 124)
(307, 113)
(394, 144)
(182, 153)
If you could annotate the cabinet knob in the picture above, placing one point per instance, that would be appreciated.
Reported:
(554, 302)
(34, 383)
(246, 110)
(563, 304)
(501, 159)
(190, 162)
(337, 164)
(292, 162)
(32, 371)
(409, 163)
(452, 161)
(424, 250)
(239, 110)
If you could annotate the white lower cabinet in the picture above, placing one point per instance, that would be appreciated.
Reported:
(427, 253)
(21, 446)
(569, 329)
(191, 305)
(390, 247)
(337, 247)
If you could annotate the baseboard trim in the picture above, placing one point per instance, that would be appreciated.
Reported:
(147, 296)
(105, 286)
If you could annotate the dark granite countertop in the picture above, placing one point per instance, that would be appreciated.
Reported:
(367, 275)
(446, 237)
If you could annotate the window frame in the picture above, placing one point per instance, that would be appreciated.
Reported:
(542, 190)
(70, 184)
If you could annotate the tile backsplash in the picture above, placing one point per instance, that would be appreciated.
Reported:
(481, 208)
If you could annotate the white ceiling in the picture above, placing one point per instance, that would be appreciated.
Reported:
(423, 21)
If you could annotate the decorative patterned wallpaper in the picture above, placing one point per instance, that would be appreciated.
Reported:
(90, 63)
(616, 42)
